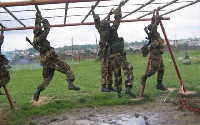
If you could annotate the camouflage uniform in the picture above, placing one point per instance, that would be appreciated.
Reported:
(104, 53)
(49, 59)
(156, 51)
(4, 73)
(117, 55)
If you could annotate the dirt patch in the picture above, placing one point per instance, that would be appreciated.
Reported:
(3, 117)
(42, 100)
(170, 112)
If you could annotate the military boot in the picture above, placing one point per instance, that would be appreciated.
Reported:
(160, 86)
(119, 94)
(104, 89)
(36, 95)
(111, 88)
(71, 86)
(1, 93)
(143, 79)
(128, 92)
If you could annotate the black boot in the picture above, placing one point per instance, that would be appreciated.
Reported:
(160, 86)
(36, 95)
(71, 86)
(104, 89)
(143, 79)
(119, 94)
(111, 88)
(128, 92)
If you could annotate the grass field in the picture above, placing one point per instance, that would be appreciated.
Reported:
(25, 79)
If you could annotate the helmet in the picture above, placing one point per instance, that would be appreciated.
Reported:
(37, 29)
(104, 24)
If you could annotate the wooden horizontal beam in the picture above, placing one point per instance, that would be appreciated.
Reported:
(42, 2)
(78, 24)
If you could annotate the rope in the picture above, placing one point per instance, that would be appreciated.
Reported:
(188, 107)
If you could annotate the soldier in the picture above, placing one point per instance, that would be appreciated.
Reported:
(49, 59)
(187, 56)
(104, 53)
(4, 73)
(117, 54)
(156, 51)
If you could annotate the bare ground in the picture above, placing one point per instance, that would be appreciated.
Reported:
(161, 112)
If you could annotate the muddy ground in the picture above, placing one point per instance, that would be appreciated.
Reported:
(161, 112)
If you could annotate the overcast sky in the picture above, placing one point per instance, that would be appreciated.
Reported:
(183, 23)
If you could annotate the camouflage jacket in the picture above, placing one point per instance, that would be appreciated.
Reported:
(109, 37)
(41, 43)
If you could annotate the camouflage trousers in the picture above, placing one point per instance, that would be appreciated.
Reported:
(106, 71)
(4, 75)
(49, 68)
(119, 61)
(156, 66)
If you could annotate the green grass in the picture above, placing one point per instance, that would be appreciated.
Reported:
(25, 79)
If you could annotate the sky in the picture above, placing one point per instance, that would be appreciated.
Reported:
(183, 24)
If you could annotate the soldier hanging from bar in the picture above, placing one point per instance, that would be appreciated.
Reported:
(49, 59)
(156, 50)
(104, 52)
(4, 72)
(117, 54)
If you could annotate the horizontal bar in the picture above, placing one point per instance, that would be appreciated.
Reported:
(13, 16)
(160, 8)
(42, 2)
(138, 8)
(92, 9)
(78, 24)
(180, 8)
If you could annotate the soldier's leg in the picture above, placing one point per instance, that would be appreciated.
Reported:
(128, 73)
(160, 77)
(104, 74)
(5, 77)
(64, 68)
(155, 65)
(117, 76)
(110, 73)
(47, 77)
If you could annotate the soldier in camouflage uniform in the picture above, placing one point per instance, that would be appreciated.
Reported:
(49, 59)
(104, 53)
(156, 51)
(4, 73)
(117, 54)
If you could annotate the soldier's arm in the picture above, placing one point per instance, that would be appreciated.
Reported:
(1, 41)
(38, 19)
(46, 30)
(96, 19)
(117, 16)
